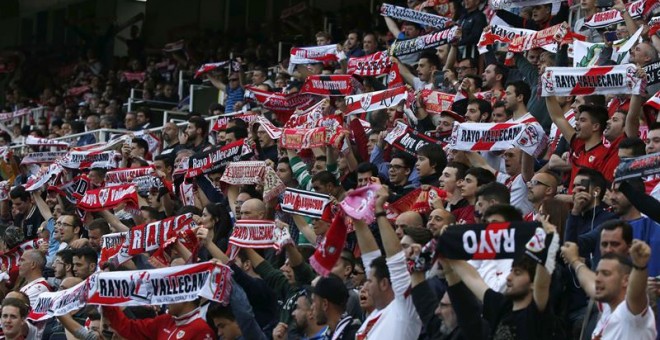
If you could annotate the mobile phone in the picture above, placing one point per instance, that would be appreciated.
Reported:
(605, 3)
(610, 36)
(585, 183)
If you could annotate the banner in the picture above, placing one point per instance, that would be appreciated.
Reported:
(89, 160)
(642, 166)
(297, 139)
(652, 72)
(572, 81)
(280, 103)
(407, 14)
(42, 157)
(374, 101)
(436, 102)
(432, 40)
(405, 138)
(587, 54)
(38, 180)
(35, 141)
(360, 204)
(258, 234)
(612, 16)
(108, 198)
(221, 121)
(492, 241)
(548, 36)
(330, 85)
(371, 65)
(529, 137)
(217, 158)
(302, 202)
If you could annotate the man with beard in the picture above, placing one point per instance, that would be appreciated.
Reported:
(623, 124)
(268, 146)
(428, 65)
(171, 139)
(197, 131)
(329, 307)
(304, 319)
(542, 186)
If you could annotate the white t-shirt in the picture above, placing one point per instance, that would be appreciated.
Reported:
(622, 324)
(418, 84)
(34, 288)
(494, 272)
(518, 189)
(399, 320)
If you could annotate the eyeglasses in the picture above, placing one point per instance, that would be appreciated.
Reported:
(59, 224)
(233, 79)
(397, 167)
(536, 182)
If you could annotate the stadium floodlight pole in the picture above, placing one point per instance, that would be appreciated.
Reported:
(279, 50)
(180, 83)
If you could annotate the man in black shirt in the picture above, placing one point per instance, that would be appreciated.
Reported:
(25, 212)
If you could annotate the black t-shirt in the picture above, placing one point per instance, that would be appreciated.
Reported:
(31, 224)
(506, 324)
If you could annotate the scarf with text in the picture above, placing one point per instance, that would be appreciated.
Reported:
(492, 241)
(575, 81)
(529, 137)
(42, 157)
(134, 76)
(503, 4)
(548, 36)
(407, 14)
(374, 101)
(405, 138)
(258, 234)
(637, 167)
(31, 140)
(113, 144)
(11, 257)
(5, 116)
(360, 204)
(419, 200)
(652, 72)
(303, 202)
(90, 159)
(273, 131)
(432, 40)
(308, 118)
(542, 248)
(217, 158)
(72, 190)
(108, 198)
(254, 172)
(315, 54)
(330, 85)
(210, 67)
(612, 16)
(280, 103)
(141, 288)
(144, 178)
(45, 175)
(436, 101)
(221, 122)
(299, 138)
(371, 65)
(499, 33)
(329, 251)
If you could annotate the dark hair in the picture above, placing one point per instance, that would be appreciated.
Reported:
(189, 209)
(321, 158)
(435, 154)
(88, 253)
(239, 132)
(624, 261)
(482, 175)
(200, 123)
(154, 214)
(501, 70)
(419, 235)
(521, 88)
(367, 167)
(595, 99)
(325, 177)
(23, 309)
(223, 223)
(432, 58)
(501, 103)
(220, 311)
(596, 179)
(461, 169)
(99, 224)
(478, 82)
(66, 255)
(495, 191)
(238, 123)
(473, 62)
(597, 113)
(141, 143)
(509, 212)
(408, 160)
(484, 107)
(19, 192)
(100, 171)
(626, 229)
(379, 269)
(527, 264)
(636, 144)
(333, 289)
(167, 159)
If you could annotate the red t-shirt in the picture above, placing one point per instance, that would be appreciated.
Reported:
(599, 158)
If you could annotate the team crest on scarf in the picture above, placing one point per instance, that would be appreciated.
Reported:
(365, 101)
(103, 196)
(529, 137)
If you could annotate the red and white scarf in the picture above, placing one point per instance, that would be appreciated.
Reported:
(424, 42)
(303, 202)
(315, 54)
(210, 67)
(5, 116)
(76, 91)
(377, 100)
(309, 117)
(88, 160)
(98, 147)
(407, 14)
(174, 46)
(545, 37)
(330, 85)
(280, 103)
(144, 178)
(217, 158)
(499, 33)
(654, 101)
(31, 140)
(296, 139)
(529, 137)
(45, 175)
(613, 16)
(436, 101)
(142, 287)
(418, 200)
(572, 81)
(273, 131)
(72, 190)
(109, 197)
(221, 122)
(134, 76)
(406, 139)
(371, 65)
(11, 257)
(42, 157)
(258, 234)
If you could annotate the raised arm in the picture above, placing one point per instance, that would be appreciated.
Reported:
(392, 26)
(632, 118)
(391, 242)
(478, 161)
(114, 222)
(408, 77)
(636, 298)
(527, 167)
(541, 291)
(586, 277)
(216, 82)
(304, 228)
(557, 116)
(44, 210)
(469, 275)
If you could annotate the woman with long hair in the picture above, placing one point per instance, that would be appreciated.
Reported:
(215, 217)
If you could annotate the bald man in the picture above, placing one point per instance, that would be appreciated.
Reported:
(438, 220)
(30, 267)
(541, 187)
(408, 219)
(253, 209)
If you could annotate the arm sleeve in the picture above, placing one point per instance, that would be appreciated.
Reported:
(274, 278)
(426, 302)
(133, 329)
(377, 158)
(467, 311)
(361, 139)
(529, 71)
(399, 274)
(646, 204)
(85, 334)
(367, 258)
(209, 190)
(300, 172)
(561, 16)
(510, 18)
(472, 34)
(242, 310)
(561, 58)
(303, 273)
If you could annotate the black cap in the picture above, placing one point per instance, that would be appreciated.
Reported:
(333, 289)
